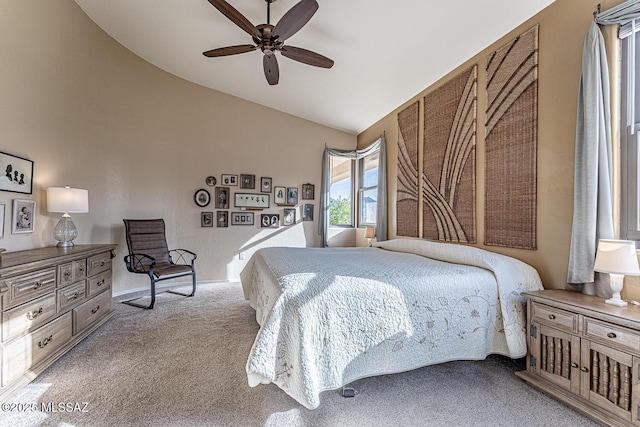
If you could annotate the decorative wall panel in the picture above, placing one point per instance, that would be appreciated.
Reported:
(448, 179)
(511, 137)
(407, 191)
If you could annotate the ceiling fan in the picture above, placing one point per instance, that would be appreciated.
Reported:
(270, 39)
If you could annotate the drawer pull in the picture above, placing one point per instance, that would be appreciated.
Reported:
(81, 269)
(67, 274)
(574, 365)
(75, 295)
(37, 285)
(100, 283)
(33, 314)
(552, 316)
(44, 342)
(611, 335)
(95, 310)
(102, 264)
(584, 369)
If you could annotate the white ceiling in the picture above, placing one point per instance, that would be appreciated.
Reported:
(385, 52)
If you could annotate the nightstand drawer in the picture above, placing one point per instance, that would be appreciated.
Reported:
(31, 285)
(71, 296)
(19, 320)
(612, 334)
(554, 317)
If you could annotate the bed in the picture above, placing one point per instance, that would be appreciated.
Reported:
(330, 316)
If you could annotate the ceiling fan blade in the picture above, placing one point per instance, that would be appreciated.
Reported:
(229, 50)
(271, 70)
(236, 17)
(306, 56)
(294, 19)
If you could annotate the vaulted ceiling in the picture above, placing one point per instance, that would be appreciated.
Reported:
(385, 52)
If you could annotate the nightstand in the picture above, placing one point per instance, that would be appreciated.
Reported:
(585, 353)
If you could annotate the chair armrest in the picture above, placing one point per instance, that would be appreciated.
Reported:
(135, 264)
(182, 256)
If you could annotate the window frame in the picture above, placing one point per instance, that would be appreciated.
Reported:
(362, 189)
(352, 195)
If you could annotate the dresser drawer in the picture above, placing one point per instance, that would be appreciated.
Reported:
(90, 311)
(25, 352)
(613, 335)
(554, 317)
(99, 283)
(71, 295)
(25, 287)
(98, 263)
(27, 316)
(71, 272)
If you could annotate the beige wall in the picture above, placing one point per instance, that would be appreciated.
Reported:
(563, 26)
(93, 115)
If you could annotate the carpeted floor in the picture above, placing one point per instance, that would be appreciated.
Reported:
(182, 364)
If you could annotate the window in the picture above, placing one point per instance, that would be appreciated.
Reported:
(341, 192)
(630, 131)
(368, 189)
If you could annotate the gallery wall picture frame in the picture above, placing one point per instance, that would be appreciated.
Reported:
(16, 175)
(307, 212)
(222, 197)
(2, 215)
(211, 181)
(265, 184)
(270, 220)
(289, 217)
(308, 191)
(230, 180)
(222, 219)
(202, 198)
(23, 218)
(242, 218)
(280, 195)
(292, 195)
(247, 181)
(252, 200)
(206, 219)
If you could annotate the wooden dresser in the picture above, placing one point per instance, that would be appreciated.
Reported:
(51, 298)
(585, 353)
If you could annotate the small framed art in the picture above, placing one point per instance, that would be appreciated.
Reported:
(206, 219)
(223, 219)
(292, 195)
(23, 216)
(202, 197)
(230, 180)
(2, 214)
(18, 174)
(308, 191)
(280, 195)
(265, 185)
(252, 200)
(289, 217)
(211, 181)
(242, 218)
(248, 182)
(270, 220)
(222, 198)
(307, 212)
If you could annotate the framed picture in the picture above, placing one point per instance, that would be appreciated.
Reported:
(307, 212)
(223, 219)
(270, 220)
(289, 217)
(265, 185)
(252, 200)
(202, 197)
(211, 181)
(292, 195)
(308, 191)
(247, 181)
(16, 174)
(242, 218)
(230, 180)
(2, 211)
(23, 216)
(280, 195)
(206, 219)
(222, 198)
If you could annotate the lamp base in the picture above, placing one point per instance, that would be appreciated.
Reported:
(618, 302)
(65, 244)
(616, 281)
(65, 231)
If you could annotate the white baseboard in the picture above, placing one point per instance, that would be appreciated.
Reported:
(160, 287)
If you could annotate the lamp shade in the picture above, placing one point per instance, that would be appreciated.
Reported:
(617, 257)
(67, 199)
(369, 232)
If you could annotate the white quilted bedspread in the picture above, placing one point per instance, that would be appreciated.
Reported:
(330, 316)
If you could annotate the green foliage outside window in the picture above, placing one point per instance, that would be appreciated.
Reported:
(340, 211)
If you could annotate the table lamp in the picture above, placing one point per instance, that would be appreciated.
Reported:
(67, 200)
(618, 258)
(369, 233)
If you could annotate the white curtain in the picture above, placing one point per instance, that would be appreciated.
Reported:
(593, 211)
(381, 210)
